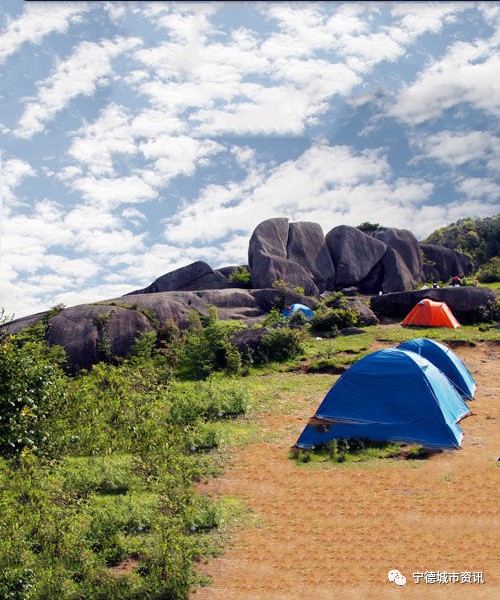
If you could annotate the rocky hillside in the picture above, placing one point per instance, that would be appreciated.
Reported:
(287, 262)
(478, 238)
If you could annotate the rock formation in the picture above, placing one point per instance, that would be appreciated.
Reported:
(441, 264)
(466, 303)
(389, 260)
(195, 276)
(354, 254)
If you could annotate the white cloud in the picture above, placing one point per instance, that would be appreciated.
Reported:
(417, 18)
(86, 69)
(14, 171)
(114, 191)
(177, 155)
(479, 187)
(458, 148)
(36, 22)
(109, 134)
(467, 74)
(330, 184)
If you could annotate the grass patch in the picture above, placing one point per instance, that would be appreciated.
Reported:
(347, 451)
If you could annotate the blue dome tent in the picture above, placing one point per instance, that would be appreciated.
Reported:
(292, 309)
(390, 395)
(446, 361)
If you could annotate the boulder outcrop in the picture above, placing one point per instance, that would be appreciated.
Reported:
(268, 258)
(307, 247)
(389, 260)
(441, 264)
(195, 276)
(354, 254)
(397, 275)
(91, 333)
(466, 303)
(407, 246)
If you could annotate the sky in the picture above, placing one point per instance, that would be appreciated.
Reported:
(138, 137)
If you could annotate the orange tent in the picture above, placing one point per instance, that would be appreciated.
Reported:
(428, 313)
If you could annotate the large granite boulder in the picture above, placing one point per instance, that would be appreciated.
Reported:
(366, 314)
(275, 268)
(268, 259)
(441, 264)
(354, 254)
(267, 299)
(195, 276)
(307, 247)
(397, 275)
(466, 303)
(91, 333)
(177, 306)
(269, 238)
(406, 244)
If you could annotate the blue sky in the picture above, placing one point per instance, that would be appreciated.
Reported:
(137, 137)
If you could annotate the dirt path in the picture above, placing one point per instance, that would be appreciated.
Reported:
(335, 532)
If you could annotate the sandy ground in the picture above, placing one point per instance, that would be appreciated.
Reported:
(335, 532)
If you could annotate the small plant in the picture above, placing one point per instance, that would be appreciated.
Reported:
(207, 348)
(241, 275)
(273, 317)
(368, 227)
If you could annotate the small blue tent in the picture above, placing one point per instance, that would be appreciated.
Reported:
(392, 395)
(446, 361)
(290, 310)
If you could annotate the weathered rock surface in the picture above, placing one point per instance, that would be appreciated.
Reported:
(406, 244)
(269, 238)
(397, 276)
(447, 263)
(354, 254)
(196, 276)
(269, 262)
(268, 298)
(366, 314)
(176, 306)
(464, 302)
(91, 333)
(307, 247)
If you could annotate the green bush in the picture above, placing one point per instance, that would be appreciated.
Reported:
(241, 275)
(332, 319)
(208, 349)
(273, 317)
(32, 391)
(490, 271)
(282, 343)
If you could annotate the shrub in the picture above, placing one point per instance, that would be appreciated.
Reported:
(297, 318)
(209, 349)
(490, 271)
(32, 389)
(273, 317)
(332, 319)
(282, 343)
(241, 275)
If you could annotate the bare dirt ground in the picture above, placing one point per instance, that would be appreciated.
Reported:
(334, 532)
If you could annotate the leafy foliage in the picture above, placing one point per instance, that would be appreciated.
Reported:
(368, 227)
(32, 391)
(282, 343)
(329, 320)
(479, 238)
(241, 275)
(208, 349)
(490, 271)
